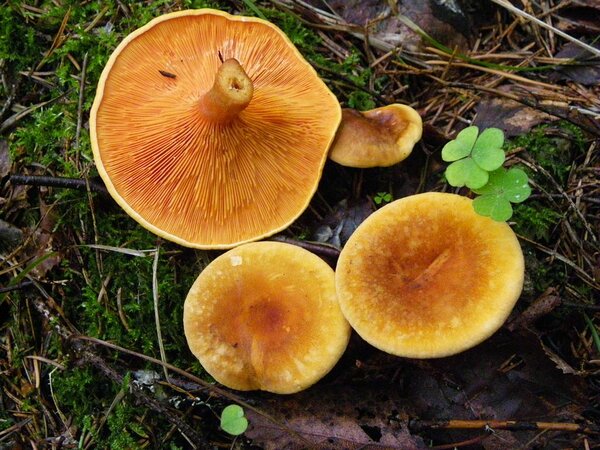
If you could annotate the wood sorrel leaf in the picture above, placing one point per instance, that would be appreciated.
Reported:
(488, 158)
(516, 186)
(466, 173)
(493, 206)
(512, 185)
(487, 150)
(489, 138)
(233, 420)
(461, 146)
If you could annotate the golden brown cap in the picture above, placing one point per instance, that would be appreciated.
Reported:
(265, 316)
(380, 137)
(185, 169)
(425, 276)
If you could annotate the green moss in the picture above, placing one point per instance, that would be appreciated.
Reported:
(123, 428)
(79, 392)
(553, 147)
(535, 221)
(130, 280)
(18, 53)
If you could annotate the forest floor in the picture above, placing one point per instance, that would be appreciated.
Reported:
(92, 349)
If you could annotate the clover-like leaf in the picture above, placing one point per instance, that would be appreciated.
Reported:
(466, 173)
(233, 420)
(512, 184)
(494, 206)
(461, 146)
(490, 137)
(503, 188)
(487, 151)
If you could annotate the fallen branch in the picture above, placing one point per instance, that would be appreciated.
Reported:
(60, 182)
(417, 425)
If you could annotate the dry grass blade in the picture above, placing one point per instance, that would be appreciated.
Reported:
(161, 346)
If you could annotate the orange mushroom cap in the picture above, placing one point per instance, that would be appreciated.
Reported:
(210, 129)
(425, 276)
(265, 316)
(380, 137)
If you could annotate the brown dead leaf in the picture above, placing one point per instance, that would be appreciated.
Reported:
(339, 225)
(335, 417)
(585, 69)
(560, 363)
(444, 21)
(508, 115)
(540, 307)
(505, 378)
(580, 18)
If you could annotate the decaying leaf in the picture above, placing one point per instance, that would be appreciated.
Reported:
(540, 307)
(508, 115)
(443, 20)
(351, 417)
(338, 226)
(560, 363)
(584, 70)
(580, 17)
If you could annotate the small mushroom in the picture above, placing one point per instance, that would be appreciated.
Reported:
(380, 137)
(265, 316)
(211, 130)
(425, 276)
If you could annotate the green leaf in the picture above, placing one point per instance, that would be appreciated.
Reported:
(382, 197)
(512, 185)
(487, 150)
(466, 173)
(461, 146)
(494, 206)
(488, 158)
(233, 420)
(490, 138)
(516, 186)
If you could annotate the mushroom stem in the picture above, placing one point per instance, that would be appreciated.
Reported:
(230, 94)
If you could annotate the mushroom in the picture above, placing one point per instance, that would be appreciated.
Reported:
(211, 130)
(265, 316)
(425, 276)
(380, 137)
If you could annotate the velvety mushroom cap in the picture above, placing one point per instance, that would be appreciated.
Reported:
(265, 316)
(425, 276)
(380, 137)
(211, 130)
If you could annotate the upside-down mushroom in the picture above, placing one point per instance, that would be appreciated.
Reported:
(380, 137)
(265, 316)
(425, 276)
(211, 130)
